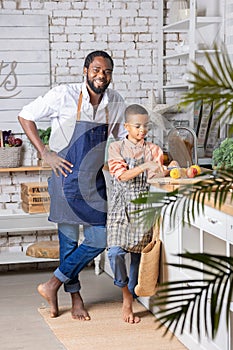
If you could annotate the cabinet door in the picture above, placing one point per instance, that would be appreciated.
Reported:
(191, 242)
(170, 247)
(211, 220)
(229, 223)
(221, 340)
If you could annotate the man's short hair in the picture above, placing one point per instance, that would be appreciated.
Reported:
(90, 58)
(134, 109)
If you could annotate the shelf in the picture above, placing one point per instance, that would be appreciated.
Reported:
(176, 86)
(204, 51)
(24, 168)
(19, 221)
(205, 21)
(176, 55)
(183, 26)
(186, 53)
(20, 258)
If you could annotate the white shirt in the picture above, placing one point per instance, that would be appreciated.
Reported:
(60, 106)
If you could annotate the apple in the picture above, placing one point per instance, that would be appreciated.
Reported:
(191, 172)
(11, 140)
(18, 142)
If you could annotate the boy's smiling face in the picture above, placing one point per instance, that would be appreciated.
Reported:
(137, 126)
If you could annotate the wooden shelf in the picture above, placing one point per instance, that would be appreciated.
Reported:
(25, 168)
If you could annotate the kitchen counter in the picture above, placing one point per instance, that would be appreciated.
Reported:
(168, 184)
(226, 208)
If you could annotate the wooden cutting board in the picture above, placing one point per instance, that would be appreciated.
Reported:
(170, 184)
(181, 181)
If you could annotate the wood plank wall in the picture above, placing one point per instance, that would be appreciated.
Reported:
(24, 64)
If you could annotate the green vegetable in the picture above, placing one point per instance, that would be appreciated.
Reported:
(45, 135)
(223, 155)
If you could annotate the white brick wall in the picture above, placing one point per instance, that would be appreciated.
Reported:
(127, 30)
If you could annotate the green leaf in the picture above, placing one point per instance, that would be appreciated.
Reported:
(195, 293)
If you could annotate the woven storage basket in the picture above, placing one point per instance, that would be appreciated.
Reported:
(10, 157)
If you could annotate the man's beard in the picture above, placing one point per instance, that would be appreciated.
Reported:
(97, 90)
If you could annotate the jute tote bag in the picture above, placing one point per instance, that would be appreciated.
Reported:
(149, 266)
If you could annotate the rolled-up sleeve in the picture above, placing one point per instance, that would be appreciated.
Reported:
(117, 165)
(44, 107)
(157, 153)
(37, 110)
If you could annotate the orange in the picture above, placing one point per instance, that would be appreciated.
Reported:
(175, 173)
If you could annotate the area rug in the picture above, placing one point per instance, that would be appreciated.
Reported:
(107, 331)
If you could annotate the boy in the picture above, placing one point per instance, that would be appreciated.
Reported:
(131, 162)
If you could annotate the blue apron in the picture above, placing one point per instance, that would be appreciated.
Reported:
(80, 198)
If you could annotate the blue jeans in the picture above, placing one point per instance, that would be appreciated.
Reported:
(74, 257)
(116, 257)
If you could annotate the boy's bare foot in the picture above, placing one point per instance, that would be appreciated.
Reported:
(78, 310)
(127, 309)
(48, 291)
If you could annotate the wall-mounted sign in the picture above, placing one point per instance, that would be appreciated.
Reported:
(24, 64)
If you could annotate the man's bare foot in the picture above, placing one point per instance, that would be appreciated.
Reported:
(127, 309)
(78, 310)
(49, 291)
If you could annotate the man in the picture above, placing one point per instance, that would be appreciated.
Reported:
(82, 117)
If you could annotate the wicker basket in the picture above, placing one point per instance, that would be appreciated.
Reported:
(10, 157)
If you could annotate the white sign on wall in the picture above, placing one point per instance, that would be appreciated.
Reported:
(24, 64)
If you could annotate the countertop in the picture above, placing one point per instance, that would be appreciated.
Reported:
(169, 184)
(226, 208)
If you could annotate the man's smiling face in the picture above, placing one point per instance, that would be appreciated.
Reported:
(99, 74)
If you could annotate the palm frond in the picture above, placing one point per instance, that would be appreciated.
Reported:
(194, 299)
(190, 199)
(214, 86)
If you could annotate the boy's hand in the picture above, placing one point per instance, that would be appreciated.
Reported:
(173, 164)
(152, 166)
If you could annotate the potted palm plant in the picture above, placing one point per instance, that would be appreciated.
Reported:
(213, 87)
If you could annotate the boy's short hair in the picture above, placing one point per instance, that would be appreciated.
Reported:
(134, 109)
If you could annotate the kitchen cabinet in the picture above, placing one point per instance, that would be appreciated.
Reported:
(210, 232)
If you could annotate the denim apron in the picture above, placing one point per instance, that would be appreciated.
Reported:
(80, 198)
